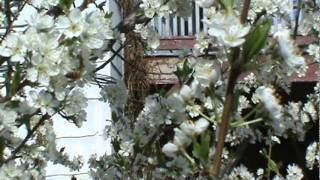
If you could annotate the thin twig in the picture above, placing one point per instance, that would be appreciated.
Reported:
(239, 153)
(109, 60)
(8, 16)
(25, 140)
(73, 174)
(295, 33)
(79, 137)
(15, 26)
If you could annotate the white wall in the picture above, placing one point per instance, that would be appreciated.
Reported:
(74, 140)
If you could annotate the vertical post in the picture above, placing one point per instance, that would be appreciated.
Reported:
(175, 26)
(182, 29)
(190, 31)
(160, 26)
(197, 14)
(167, 31)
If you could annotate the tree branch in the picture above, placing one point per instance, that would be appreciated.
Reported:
(245, 11)
(25, 140)
(224, 124)
(229, 100)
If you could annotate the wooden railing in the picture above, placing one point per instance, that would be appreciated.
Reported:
(178, 26)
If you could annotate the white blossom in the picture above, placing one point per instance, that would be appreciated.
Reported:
(312, 155)
(97, 29)
(43, 100)
(181, 138)
(294, 172)
(241, 173)
(75, 101)
(41, 22)
(266, 96)
(116, 94)
(11, 171)
(201, 45)
(228, 29)
(73, 25)
(148, 33)
(187, 93)
(2, 18)
(188, 127)
(49, 3)
(194, 128)
(260, 172)
(58, 50)
(193, 110)
(7, 119)
(314, 50)
(170, 149)
(288, 50)
(275, 139)
(201, 125)
(14, 47)
(151, 7)
(310, 109)
(206, 72)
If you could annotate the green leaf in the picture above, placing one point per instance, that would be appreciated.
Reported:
(202, 148)
(13, 104)
(236, 100)
(136, 146)
(26, 120)
(16, 80)
(108, 15)
(184, 71)
(162, 92)
(116, 145)
(256, 40)
(69, 42)
(273, 166)
(205, 144)
(227, 4)
(66, 3)
(114, 116)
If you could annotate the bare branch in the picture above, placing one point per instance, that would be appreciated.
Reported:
(25, 140)
(10, 20)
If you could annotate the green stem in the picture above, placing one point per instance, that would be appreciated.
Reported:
(192, 161)
(203, 115)
(244, 119)
(236, 124)
(255, 109)
(269, 158)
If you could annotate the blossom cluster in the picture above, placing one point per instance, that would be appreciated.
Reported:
(46, 65)
(175, 135)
